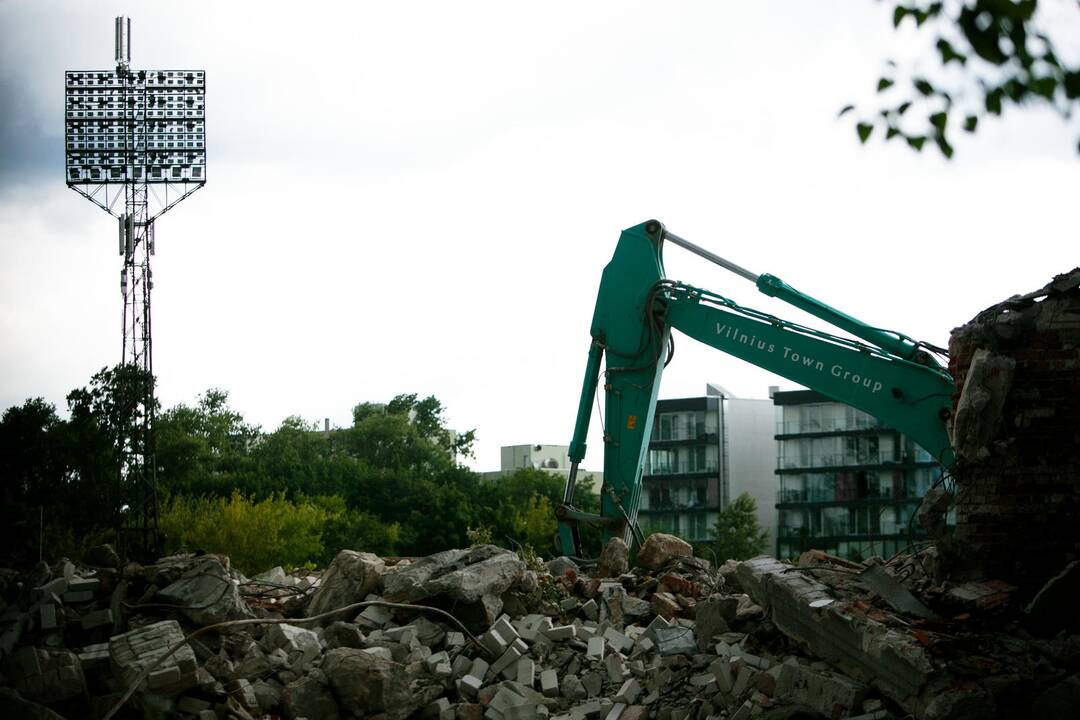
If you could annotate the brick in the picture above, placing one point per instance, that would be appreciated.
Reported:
(507, 661)
(469, 686)
(526, 672)
(617, 640)
(616, 671)
(629, 692)
(549, 683)
(47, 617)
(561, 632)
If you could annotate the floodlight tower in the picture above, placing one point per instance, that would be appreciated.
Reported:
(135, 146)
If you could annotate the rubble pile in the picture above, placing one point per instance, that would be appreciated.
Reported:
(476, 633)
(1016, 430)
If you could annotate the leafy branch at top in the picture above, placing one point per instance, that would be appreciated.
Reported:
(998, 49)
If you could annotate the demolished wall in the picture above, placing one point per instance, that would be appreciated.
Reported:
(1016, 432)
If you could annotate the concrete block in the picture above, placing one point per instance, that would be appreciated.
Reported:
(629, 692)
(561, 632)
(495, 643)
(506, 661)
(479, 668)
(432, 661)
(590, 610)
(80, 596)
(742, 681)
(526, 671)
(47, 617)
(84, 585)
(721, 670)
(469, 686)
(505, 628)
(455, 639)
(528, 711)
(504, 699)
(596, 648)
(676, 641)
(374, 616)
(96, 619)
(705, 681)
(615, 712)
(615, 667)
(549, 683)
(618, 640)
(383, 652)
(56, 586)
(743, 713)
(460, 666)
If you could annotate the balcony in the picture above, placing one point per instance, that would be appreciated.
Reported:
(680, 468)
(839, 495)
(826, 425)
(834, 460)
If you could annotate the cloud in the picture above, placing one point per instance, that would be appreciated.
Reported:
(31, 149)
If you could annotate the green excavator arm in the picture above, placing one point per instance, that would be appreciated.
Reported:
(889, 375)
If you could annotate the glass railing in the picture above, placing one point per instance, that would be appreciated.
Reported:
(680, 468)
(796, 427)
(681, 434)
(834, 460)
(843, 495)
(675, 505)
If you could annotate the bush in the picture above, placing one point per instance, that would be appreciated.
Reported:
(255, 535)
(347, 529)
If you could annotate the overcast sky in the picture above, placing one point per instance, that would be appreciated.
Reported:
(420, 197)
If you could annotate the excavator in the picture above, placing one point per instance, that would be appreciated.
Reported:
(884, 373)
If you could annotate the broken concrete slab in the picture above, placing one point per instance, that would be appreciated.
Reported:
(350, 578)
(468, 583)
(367, 684)
(660, 548)
(894, 662)
(135, 651)
(206, 593)
(309, 697)
(45, 676)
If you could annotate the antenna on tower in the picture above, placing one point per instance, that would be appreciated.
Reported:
(136, 146)
(123, 45)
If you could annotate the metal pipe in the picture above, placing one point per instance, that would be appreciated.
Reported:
(712, 257)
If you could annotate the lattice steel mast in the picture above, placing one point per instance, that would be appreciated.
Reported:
(139, 135)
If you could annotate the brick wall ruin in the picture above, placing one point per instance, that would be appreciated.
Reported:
(1017, 433)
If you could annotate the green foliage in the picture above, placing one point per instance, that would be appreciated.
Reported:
(351, 529)
(390, 483)
(255, 535)
(536, 525)
(997, 53)
(737, 534)
(478, 536)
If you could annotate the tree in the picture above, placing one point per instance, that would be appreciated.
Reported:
(205, 448)
(994, 51)
(737, 534)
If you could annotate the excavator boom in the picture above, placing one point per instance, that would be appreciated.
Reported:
(888, 376)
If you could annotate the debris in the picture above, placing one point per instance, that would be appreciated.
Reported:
(614, 559)
(659, 549)
(468, 582)
(877, 580)
(350, 578)
(206, 593)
